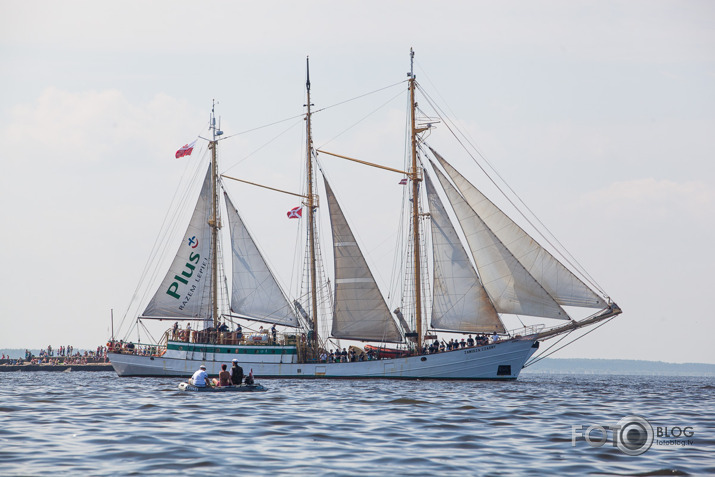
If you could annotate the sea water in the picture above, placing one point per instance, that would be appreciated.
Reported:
(95, 423)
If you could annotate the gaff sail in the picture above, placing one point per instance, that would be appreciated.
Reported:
(255, 291)
(360, 311)
(184, 292)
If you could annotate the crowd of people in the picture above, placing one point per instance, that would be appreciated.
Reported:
(235, 377)
(453, 344)
(354, 355)
(347, 356)
(58, 356)
(222, 334)
(127, 347)
(69, 352)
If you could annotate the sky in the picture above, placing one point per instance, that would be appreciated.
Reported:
(599, 114)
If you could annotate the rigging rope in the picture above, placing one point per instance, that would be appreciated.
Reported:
(544, 354)
(360, 120)
(314, 112)
(161, 241)
(273, 139)
(566, 255)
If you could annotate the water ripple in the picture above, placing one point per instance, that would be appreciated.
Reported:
(99, 424)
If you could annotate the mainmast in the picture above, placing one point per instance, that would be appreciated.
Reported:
(416, 179)
(312, 205)
(214, 219)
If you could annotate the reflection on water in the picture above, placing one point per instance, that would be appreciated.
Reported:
(99, 424)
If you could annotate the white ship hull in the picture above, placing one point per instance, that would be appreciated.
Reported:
(502, 360)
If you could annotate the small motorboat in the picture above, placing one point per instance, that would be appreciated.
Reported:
(381, 352)
(222, 389)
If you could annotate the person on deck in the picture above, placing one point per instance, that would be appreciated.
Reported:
(273, 333)
(200, 379)
(249, 378)
(236, 373)
(224, 377)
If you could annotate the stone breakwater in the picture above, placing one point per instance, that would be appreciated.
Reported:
(55, 367)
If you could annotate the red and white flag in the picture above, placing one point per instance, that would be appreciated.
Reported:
(403, 181)
(295, 212)
(185, 150)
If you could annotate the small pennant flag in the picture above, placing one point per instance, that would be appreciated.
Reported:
(403, 181)
(295, 212)
(185, 150)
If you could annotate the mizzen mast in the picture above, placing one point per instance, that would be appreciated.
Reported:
(416, 179)
(312, 205)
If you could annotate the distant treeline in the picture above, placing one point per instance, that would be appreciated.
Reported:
(620, 366)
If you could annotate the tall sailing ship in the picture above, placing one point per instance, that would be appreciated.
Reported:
(482, 267)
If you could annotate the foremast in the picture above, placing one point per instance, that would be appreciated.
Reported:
(214, 219)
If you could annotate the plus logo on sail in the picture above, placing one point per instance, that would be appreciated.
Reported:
(194, 258)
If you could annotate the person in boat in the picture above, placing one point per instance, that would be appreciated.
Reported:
(495, 337)
(200, 379)
(175, 330)
(249, 378)
(470, 341)
(223, 328)
(224, 377)
(274, 332)
(236, 373)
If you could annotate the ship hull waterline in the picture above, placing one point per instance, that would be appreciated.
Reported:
(498, 361)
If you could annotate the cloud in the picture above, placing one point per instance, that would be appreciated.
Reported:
(79, 170)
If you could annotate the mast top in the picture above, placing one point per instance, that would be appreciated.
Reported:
(307, 73)
(216, 131)
(411, 74)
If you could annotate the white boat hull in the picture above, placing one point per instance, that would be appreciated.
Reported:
(502, 360)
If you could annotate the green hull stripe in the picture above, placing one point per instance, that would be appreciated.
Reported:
(199, 348)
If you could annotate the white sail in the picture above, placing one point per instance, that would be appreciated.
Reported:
(459, 301)
(360, 311)
(511, 288)
(554, 277)
(184, 292)
(255, 291)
